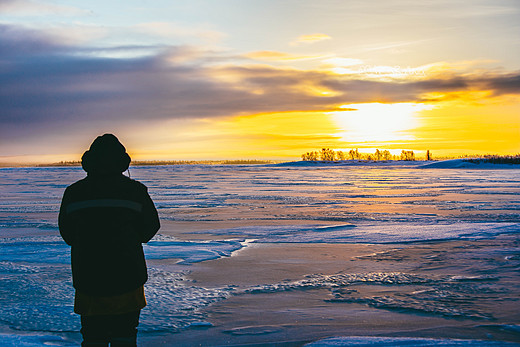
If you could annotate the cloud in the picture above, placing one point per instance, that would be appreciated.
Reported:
(173, 31)
(312, 38)
(342, 62)
(72, 34)
(504, 84)
(38, 8)
(48, 89)
(277, 56)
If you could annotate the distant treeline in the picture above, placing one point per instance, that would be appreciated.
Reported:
(61, 163)
(327, 154)
(496, 159)
(171, 162)
(246, 162)
(202, 162)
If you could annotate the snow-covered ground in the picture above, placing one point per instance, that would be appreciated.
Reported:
(213, 212)
(468, 164)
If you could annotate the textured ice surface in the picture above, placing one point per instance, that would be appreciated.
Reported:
(449, 296)
(37, 297)
(354, 203)
(35, 249)
(36, 291)
(382, 233)
(40, 298)
(353, 193)
(174, 302)
(190, 251)
(465, 164)
(340, 280)
(254, 330)
(402, 341)
(52, 249)
(33, 340)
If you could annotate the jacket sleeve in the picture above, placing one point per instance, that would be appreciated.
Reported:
(64, 222)
(149, 218)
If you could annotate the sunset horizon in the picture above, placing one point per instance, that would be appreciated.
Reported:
(208, 82)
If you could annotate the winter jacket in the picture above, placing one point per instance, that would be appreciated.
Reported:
(105, 218)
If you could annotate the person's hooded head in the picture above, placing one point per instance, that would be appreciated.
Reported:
(106, 156)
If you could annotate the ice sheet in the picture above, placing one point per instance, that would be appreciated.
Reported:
(446, 296)
(191, 251)
(382, 233)
(466, 164)
(33, 340)
(289, 203)
(52, 249)
(402, 341)
(36, 291)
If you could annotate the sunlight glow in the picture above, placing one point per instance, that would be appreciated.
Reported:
(377, 121)
(380, 72)
(307, 39)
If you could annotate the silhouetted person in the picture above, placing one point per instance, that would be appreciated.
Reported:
(106, 217)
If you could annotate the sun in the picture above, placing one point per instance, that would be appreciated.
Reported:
(378, 122)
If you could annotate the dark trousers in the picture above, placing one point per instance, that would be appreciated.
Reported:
(116, 330)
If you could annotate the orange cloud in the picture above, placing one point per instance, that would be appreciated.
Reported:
(312, 38)
(277, 56)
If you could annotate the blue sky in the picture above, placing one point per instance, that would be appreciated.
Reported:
(432, 30)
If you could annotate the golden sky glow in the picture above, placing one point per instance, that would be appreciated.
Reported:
(258, 79)
(379, 122)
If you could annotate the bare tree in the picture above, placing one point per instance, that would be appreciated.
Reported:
(407, 155)
(377, 155)
(327, 154)
(310, 156)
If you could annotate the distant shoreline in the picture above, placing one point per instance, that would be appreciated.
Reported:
(441, 163)
(462, 163)
(154, 163)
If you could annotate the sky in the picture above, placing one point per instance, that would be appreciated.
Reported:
(258, 79)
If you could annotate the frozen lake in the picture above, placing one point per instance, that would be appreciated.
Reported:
(214, 211)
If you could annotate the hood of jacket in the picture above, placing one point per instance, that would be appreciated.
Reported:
(106, 156)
